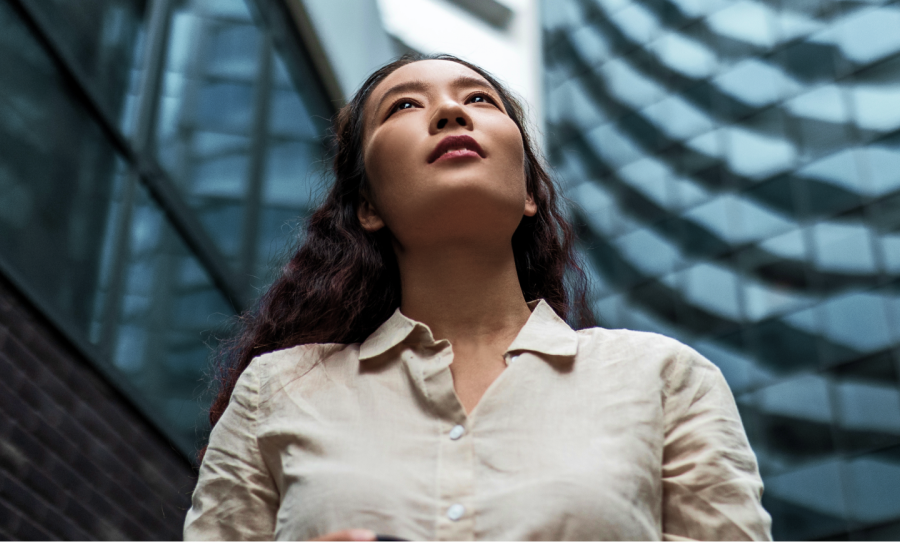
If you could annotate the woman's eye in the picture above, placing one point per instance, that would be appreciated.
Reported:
(482, 98)
(402, 104)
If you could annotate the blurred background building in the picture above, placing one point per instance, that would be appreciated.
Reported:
(735, 169)
(737, 164)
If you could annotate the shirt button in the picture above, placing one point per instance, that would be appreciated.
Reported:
(456, 511)
(457, 432)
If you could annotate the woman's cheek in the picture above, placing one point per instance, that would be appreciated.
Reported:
(388, 160)
(514, 150)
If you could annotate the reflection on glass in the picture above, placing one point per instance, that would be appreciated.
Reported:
(613, 147)
(873, 106)
(608, 311)
(810, 500)
(751, 22)
(677, 118)
(740, 370)
(858, 321)
(100, 36)
(685, 55)
(235, 134)
(738, 220)
(756, 83)
(628, 85)
(865, 36)
(758, 156)
(649, 177)
(571, 104)
(58, 204)
(825, 103)
(763, 299)
(167, 310)
(637, 245)
(844, 247)
(636, 22)
(872, 487)
(591, 44)
(294, 176)
(867, 406)
(712, 287)
(131, 295)
(205, 128)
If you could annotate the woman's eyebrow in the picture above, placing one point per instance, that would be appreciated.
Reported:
(469, 81)
(409, 86)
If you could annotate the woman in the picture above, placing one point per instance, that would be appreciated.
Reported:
(411, 373)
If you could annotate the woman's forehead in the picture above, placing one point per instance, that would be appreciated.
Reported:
(431, 70)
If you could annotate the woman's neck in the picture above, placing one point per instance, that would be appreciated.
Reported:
(465, 295)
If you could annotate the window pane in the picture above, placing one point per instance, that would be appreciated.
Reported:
(167, 309)
(101, 37)
(874, 488)
(84, 241)
(235, 133)
(57, 173)
(205, 126)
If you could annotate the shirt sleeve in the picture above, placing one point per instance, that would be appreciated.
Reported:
(711, 482)
(236, 497)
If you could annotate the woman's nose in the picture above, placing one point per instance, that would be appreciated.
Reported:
(451, 114)
(443, 122)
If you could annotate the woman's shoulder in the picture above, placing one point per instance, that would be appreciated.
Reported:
(643, 348)
(644, 358)
(304, 356)
(628, 339)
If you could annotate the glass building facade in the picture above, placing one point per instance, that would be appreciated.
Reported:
(736, 170)
(154, 158)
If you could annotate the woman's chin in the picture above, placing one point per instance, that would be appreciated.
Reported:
(459, 228)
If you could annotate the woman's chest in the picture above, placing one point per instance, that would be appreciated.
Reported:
(529, 457)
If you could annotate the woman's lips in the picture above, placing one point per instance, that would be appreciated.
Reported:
(458, 146)
(462, 153)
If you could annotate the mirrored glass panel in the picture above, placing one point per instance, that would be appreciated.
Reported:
(236, 134)
(101, 37)
(58, 179)
(138, 255)
(166, 318)
(206, 126)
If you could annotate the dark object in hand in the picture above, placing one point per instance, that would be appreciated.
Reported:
(388, 537)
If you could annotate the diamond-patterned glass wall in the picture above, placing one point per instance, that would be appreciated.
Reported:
(736, 165)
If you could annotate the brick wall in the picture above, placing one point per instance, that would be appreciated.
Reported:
(77, 461)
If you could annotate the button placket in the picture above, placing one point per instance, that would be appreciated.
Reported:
(456, 477)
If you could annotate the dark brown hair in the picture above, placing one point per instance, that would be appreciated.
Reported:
(344, 282)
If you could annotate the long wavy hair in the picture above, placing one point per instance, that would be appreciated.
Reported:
(343, 282)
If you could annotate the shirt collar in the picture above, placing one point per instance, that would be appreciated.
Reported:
(544, 332)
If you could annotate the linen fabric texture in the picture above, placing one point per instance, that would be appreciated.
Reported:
(586, 435)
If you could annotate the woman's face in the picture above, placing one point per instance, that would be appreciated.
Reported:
(445, 162)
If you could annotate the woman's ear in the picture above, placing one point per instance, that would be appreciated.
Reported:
(368, 216)
(530, 205)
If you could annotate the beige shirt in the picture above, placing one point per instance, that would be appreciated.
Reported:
(594, 434)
